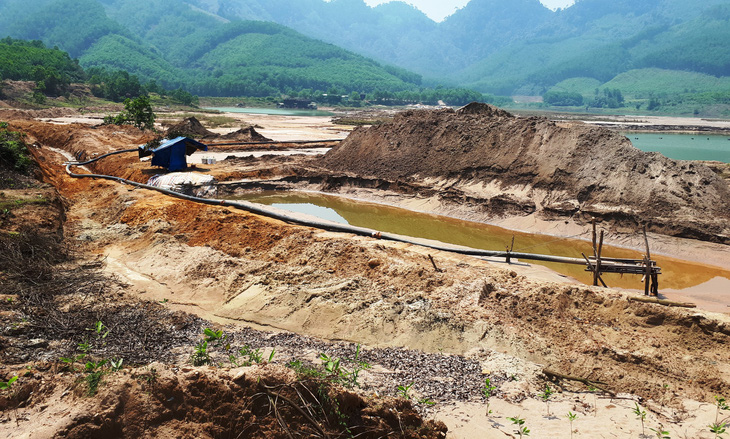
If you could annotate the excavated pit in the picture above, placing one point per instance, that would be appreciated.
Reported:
(237, 268)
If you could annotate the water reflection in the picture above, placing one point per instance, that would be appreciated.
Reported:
(676, 274)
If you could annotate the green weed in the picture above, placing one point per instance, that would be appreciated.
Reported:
(217, 337)
(211, 338)
(520, 427)
(8, 205)
(200, 355)
(253, 355)
(299, 367)
(92, 381)
(545, 395)
(594, 390)
(487, 392)
(347, 377)
(94, 369)
(641, 414)
(149, 378)
(116, 364)
(8, 385)
(660, 433)
(571, 417)
(719, 427)
(405, 391)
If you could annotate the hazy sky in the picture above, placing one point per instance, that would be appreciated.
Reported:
(439, 9)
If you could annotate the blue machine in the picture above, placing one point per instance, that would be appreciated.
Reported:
(171, 154)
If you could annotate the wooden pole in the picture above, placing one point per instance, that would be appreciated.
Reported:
(590, 267)
(647, 261)
(595, 255)
(647, 275)
(509, 251)
(597, 272)
(662, 302)
(434, 264)
(593, 221)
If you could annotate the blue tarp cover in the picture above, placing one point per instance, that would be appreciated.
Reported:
(171, 153)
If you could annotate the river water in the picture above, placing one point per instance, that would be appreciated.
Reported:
(272, 111)
(684, 146)
(676, 274)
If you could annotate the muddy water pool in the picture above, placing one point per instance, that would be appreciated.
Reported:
(677, 276)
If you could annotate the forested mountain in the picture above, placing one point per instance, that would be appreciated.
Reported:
(503, 47)
(176, 44)
(51, 69)
(513, 46)
(599, 42)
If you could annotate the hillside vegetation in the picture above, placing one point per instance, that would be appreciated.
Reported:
(177, 45)
(515, 47)
(393, 53)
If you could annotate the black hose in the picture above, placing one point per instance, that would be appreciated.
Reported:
(334, 227)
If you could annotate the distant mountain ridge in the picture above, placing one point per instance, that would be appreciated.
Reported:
(185, 45)
(503, 47)
(513, 46)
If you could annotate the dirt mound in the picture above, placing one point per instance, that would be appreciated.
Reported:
(245, 134)
(516, 165)
(484, 110)
(161, 401)
(14, 114)
(190, 127)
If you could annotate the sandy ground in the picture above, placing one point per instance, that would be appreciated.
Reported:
(649, 121)
(284, 128)
(240, 269)
(218, 156)
(278, 128)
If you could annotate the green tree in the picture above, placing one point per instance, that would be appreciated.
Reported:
(184, 97)
(137, 112)
(13, 150)
(563, 98)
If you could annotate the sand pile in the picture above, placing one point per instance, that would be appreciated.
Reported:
(520, 165)
(245, 134)
(189, 127)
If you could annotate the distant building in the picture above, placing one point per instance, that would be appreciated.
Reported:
(171, 154)
(304, 104)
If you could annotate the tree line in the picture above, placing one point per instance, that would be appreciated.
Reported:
(54, 70)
